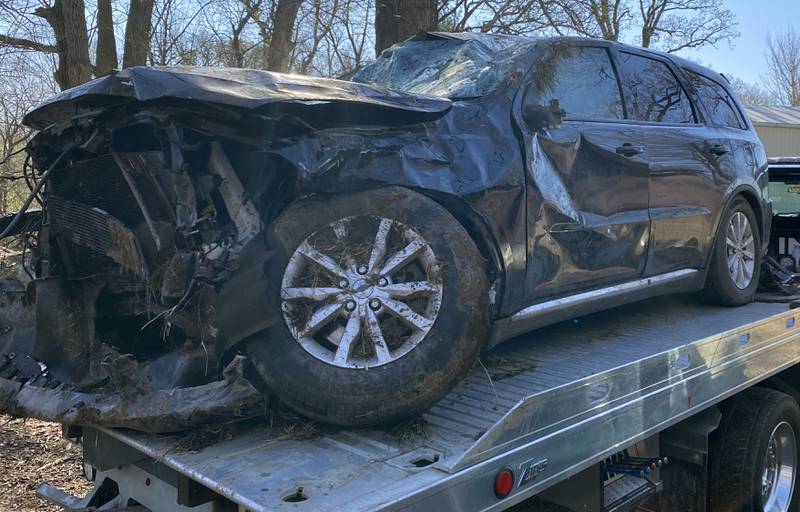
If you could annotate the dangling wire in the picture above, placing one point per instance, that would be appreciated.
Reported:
(30, 178)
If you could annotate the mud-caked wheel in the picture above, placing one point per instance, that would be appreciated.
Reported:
(384, 306)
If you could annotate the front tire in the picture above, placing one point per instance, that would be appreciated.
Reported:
(736, 257)
(384, 304)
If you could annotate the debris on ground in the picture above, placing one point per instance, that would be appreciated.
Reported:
(32, 452)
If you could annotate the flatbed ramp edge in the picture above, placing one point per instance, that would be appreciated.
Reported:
(546, 405)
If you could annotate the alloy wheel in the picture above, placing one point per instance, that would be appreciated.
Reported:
(780, 464)
(740, 245)
(361, 292)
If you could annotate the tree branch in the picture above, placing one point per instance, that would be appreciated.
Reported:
(26, 44)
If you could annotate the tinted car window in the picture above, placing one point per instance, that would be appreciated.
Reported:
(719, 103)
(652, 91)
(582, 80)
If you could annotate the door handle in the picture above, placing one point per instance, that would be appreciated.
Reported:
(629, 149)
(719, 149)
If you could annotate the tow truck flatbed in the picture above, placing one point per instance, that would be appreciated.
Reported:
(547, 405)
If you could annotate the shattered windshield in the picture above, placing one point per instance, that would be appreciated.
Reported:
(452, 68)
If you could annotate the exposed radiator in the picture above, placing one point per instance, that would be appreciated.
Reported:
(97, 231)
(97, 182)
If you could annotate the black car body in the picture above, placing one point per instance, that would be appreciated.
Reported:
(583, 174)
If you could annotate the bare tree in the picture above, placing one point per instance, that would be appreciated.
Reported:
(280, 45)
(669, 25)
(106, 41)
(350, 38)
(783, 64)
(591, 18)
(60, 29)
(22, 86)
(751, 94)
(180, 32)
(67, 18)
(673, 25)
(502, 16)
(396, 20)
(137, 33)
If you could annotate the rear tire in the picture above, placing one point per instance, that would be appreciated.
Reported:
(735, 264)
(750, 443)
(366, 361)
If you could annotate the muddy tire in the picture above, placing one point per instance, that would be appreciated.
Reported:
(384, 304)
(735, 265)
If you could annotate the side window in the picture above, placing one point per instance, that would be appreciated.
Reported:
(581, 79)
(652, 91)
(719, 103)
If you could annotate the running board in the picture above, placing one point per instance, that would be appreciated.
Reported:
(553, 311)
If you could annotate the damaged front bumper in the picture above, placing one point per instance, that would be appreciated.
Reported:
(147, 410)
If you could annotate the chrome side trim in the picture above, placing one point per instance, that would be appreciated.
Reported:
(556, 310)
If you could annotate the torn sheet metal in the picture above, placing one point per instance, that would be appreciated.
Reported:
(132, 406)
(240, 208)
(66, 338)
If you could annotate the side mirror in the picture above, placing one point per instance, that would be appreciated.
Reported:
(540, 117)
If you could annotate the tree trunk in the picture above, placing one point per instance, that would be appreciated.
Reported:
(137, 33)
(281, 45)
(106, 42)
(67, 18)
(397, 20)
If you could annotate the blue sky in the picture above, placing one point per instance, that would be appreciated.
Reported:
(746, 58)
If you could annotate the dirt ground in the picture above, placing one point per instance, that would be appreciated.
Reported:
(32, 452)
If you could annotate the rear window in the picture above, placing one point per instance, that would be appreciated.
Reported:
(652, 92)
(718, 102)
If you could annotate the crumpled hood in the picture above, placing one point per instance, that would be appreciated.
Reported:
(243, 88)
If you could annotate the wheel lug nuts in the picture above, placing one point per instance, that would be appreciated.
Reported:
(344, 283)
(375, 304)
(362, 269)
(383, 281)
(350, 305)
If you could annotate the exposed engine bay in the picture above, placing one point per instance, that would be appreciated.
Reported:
(133, 247)
(146, 255)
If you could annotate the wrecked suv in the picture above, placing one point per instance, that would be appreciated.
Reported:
(361, 241)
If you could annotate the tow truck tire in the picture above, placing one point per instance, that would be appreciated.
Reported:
(398, 364)
(721, 286)
(758, 433)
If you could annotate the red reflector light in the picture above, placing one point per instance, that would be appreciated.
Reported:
(504, 483)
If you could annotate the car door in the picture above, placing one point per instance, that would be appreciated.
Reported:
(587, 188)
(735, 148)
(687, 175)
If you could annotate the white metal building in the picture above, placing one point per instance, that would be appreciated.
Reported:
(778, 128)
